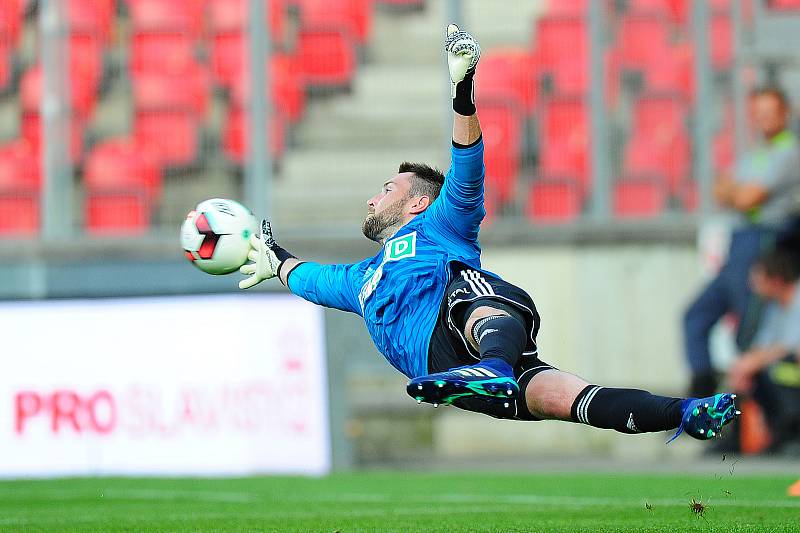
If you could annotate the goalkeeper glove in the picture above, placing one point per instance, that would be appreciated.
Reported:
(463, 53)
(266, 257)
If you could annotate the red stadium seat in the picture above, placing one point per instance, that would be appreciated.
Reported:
(164, 51)
(554, 200)
(565, 119)
(560, 39)
(353, 17)
(10, 21)
(122, 165)
(642, 40)
(508, 73)
(94, 17)
(564, 138)
(235, 140)
(120, 213)
(169, 111)
(667, 158)
(659, 141)
(82, 94)
(20, 182)
(6, 51)
(175, 133)
(501, 123)
(721, 41)
(639, 197)
(326, 57)
(20, 168)
(185, 91)
(673, 72)
(86, 70)
(288, 94)
(567, 8)
(784, 4)
(31, 131)
(19, 214)
(228, 35)
(228, 57)
(560, 51)
(183, 16)
(659, 115)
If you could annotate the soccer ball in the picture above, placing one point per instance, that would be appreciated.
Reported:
(216, 234)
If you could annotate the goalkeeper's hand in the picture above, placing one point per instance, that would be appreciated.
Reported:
(262, 253)
(463, 54)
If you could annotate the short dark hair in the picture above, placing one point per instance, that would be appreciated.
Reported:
(427, 180)
(781, 262)
(773, 91)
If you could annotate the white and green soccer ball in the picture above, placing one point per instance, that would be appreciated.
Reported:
(215, 235)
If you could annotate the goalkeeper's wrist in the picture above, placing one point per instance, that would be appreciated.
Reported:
(464, 100)
(280, 253)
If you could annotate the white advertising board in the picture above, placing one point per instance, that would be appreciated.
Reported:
(205, 385)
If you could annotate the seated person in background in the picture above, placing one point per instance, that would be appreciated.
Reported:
(762, 193)
(770, 370)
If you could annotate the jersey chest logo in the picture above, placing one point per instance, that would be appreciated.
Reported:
(394, 250)
(401, 247)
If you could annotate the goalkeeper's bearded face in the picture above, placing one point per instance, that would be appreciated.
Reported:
(389, 209)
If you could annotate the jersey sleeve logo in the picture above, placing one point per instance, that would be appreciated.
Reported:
(369, 287)
(401, 247)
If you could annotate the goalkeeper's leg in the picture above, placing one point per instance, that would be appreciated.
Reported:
(558, 395)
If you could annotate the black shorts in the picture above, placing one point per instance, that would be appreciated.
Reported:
(449, 348)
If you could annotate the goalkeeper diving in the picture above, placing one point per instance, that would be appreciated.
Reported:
(463, 335)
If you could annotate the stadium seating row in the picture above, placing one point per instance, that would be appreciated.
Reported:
(532, 99)
(171, 88)
(543, 88)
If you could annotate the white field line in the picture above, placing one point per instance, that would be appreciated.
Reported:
(401, 500)
(562, 501)
(132, 494)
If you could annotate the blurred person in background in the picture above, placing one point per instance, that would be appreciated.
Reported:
(770, 369)
(763, 194)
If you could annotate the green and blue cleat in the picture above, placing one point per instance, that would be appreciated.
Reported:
(703, 418)
(491, 380)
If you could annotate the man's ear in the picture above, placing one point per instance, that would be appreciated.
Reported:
(421, 204)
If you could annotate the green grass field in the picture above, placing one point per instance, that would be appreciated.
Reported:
(404, 502)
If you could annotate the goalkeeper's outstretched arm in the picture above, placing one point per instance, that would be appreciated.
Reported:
(328, 285)
(459, 210)
(463, 53)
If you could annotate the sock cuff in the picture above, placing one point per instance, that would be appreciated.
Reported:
(506, 326)
(476, 328)
(580, 407)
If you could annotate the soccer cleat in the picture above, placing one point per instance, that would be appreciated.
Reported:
(493, 380)
(703, 418)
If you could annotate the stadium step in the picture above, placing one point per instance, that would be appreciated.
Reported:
(334, 185)
(385, 109)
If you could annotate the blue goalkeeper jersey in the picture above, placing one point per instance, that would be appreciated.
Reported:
(398, 292)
